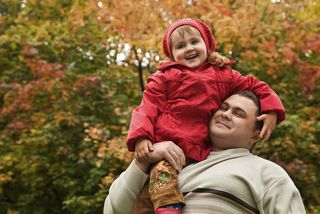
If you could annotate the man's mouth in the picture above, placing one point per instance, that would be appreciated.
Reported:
(224, 124)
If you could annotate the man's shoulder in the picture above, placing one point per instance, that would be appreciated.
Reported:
(267, 166)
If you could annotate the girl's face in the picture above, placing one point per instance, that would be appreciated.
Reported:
(188, 47)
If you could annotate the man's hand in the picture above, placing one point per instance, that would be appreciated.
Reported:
(142, 150)
(169, 151)
(269, 122)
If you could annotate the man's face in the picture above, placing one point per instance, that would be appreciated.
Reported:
(189, 48)
(233, 124)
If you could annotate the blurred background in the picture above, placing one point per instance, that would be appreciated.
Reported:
(71, 71)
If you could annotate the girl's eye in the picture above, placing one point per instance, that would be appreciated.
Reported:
(179, 46)
(194, 41)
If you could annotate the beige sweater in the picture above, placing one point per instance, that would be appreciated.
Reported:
(230, 181)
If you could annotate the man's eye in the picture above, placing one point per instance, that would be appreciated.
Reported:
(239, 114)
(223, 107)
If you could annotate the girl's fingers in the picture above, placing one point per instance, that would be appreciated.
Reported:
(146, 156)
(261, 117)
(268, 133)
(263, 132)
(150, 146)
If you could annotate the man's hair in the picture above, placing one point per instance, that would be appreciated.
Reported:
(252, 96)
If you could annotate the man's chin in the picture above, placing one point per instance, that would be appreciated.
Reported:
(220, 133)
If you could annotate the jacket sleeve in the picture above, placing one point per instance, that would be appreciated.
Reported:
(124, 190)
(269, 100)
(145, 115)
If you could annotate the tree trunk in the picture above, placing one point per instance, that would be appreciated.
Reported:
(140, 69)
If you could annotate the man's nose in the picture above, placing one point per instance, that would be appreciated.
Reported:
(226, 114)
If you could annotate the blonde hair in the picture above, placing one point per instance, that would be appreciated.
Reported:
(214, 57)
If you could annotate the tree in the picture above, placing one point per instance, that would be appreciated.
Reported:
(63, 109)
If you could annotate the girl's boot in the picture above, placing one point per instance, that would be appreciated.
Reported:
(165, 210)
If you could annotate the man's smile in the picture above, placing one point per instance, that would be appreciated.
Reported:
(223, 123)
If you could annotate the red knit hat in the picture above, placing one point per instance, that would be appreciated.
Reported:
(199, 25)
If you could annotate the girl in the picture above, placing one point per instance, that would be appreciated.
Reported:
(178, 102)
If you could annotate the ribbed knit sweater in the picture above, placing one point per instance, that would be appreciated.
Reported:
(230, 181)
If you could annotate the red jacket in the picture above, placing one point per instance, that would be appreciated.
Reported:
(178, 103)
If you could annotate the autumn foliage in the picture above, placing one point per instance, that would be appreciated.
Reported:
(72, 71)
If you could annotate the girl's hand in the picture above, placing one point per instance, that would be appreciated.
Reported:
(169, 151)
(269, 122)
(142, 150)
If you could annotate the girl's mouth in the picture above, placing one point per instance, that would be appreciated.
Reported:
(191, 56)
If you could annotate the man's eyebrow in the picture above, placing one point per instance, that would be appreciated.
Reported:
(225, 103)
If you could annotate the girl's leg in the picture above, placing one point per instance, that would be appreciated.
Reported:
(163, 188)
(143, 204)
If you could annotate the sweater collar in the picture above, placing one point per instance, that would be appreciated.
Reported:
(229, 153)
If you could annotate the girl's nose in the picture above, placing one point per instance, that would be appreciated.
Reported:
(189, 47)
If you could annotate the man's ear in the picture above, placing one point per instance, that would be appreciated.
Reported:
(255, 138)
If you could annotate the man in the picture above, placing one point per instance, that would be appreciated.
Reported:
(230, 180)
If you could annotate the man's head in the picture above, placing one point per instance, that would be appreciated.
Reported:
(234, 124)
